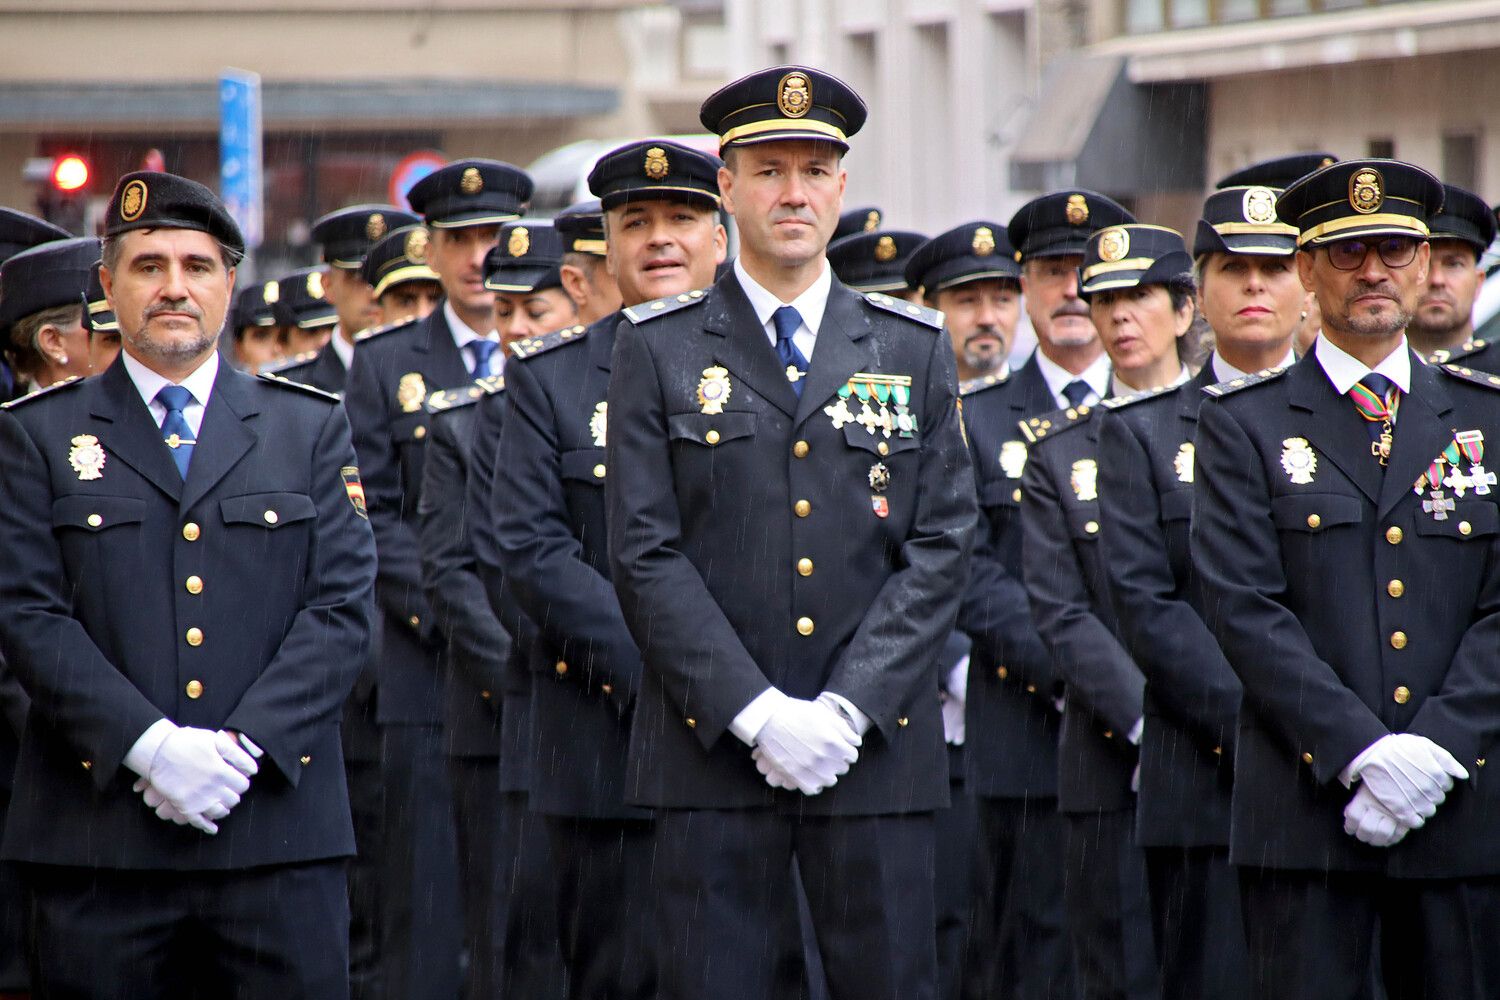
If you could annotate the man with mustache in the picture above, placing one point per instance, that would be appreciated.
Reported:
(1347, 537)
(1442, 328)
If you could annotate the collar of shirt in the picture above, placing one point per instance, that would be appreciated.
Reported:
(1096, 376)
(343, 348)
(464, 335)
(1224, 371)
(200, 383)
(810, 305)
(1345, 370)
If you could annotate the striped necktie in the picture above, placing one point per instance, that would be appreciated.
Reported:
(1377, 399)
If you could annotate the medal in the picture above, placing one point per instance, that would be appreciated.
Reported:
(1085, 479)
(1438, 506)
(1471, 445)
(87, 457)
(880, 506)
(410, 392)
(713, 390)
(906, 422)
(1183, 462)
(1012, 459)
(597, 423)
(838, 411)
(880, 477)
(1298, 460)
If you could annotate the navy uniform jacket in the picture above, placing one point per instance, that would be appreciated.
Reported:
(548, 510)
(394, 370)
(321, 369)
(728, 531)
(1476, 354)
(1349, 612)
(261, 549)
(1146, 479)
(1011, 722)
(1067, 580)
(477, 644)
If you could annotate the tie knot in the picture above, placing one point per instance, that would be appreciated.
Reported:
(1378, 384)
(1076, 391)
(787, 319)
(482, 350)
(174, 398)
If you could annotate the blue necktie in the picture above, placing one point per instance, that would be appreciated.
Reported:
(175, 430)
(787, 320)
(1076, 391)
(483, 351)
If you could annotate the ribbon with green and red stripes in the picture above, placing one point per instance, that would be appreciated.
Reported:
(1372, 407)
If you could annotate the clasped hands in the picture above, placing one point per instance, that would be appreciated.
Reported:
(1403, 778)
(196, 777)
(806, 746)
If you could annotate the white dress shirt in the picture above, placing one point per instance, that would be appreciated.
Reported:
(810, 305)
(343, 348)
(1344, 370)
(464, 335)
(1095, 376)
(1224, 371)
(200, 383)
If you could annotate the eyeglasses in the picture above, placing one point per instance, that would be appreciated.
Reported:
(1394, 251)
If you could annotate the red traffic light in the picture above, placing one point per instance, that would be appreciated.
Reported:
(69, 173)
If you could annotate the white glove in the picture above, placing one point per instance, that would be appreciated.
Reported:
(775, 777)
(1366, 820)
(1409, 774)
(810, 744)
(157, 803)
(953, 720)
(191, 774)
(235, 755)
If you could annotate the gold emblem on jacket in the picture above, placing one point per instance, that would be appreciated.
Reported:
(1183, 463)
(411, 391)
(1298, 460)
(1085, 479)
(87, 457)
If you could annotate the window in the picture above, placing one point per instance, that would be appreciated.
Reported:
(1461, 160)
(1383, 149)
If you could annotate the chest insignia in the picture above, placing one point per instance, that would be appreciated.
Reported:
(1298, 460)
(1013, 459)
(411, 392)
(1467, 446)
(713, 389)
(87, 457)
(880, 477)
(1183, 462)
(598, 423)
(1085, 479)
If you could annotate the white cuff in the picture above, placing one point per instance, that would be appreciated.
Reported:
(139, 757)
(1350, 774)
(754, 716)
(1134, 736)
(859, 720)
(957, 681)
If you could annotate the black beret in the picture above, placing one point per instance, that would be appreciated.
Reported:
(783, 102)
(45, 277)
(348, 234)
(1355, 198)
(857, 220)
(471, 193)
(400, 255)
(1243, 220)
(525, 259)
(19, 231)
(148, 199)
(1465, 217)
(874, 262)
(964, 253)
(1060, 223)
(253, 306)
(1278, 172)
(98, 317)
(581, 227)
(655, 169)
(300, 301)
(1130, 255)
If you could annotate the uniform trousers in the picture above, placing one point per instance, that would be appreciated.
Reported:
(532, 964)
(1196, 918)
(476, 818)
(723, 889)
(1019, 948)
(278, 932)
(361, 739)
(957, 834)
(604, 872)
(1105, 901)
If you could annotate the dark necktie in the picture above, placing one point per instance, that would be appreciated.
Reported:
(1377, 399)
(175, 430)
(787, 320)
(483, 352)
(1076, 391)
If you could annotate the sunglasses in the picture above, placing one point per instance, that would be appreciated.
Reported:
(1394, 251)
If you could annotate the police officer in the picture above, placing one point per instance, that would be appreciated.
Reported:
(876, 261)
(43, 305)
(857, 220)
(1249, 292)
(181, 804)
(524, 271)
(402, 282)
(1345, 531)
(789, 508)
(394, 371)
(19, 231)
(1442, 327)
(584, 270)
(253, 334)
(304, 316)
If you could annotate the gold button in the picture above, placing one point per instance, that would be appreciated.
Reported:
(1314, 521)
(561, 668)
(419, 433)
(883, 448)
(805, 626)
(802, 508)
(1031, 689)
(1480, 762)
(1109, 734)
(1394, 535)
(95, 520)
(485, 695)
(805, 566)
(1402, 695)
(88, 765)
(599, 471)
(305, 760)
(1398, 640)
(712, 437)
(271, 517)
(194, 689)
(692, 723)
(1092, 527)
(1465, 528)
(190, 531)
(195, 636)
(1016, 496)
(801, 448)
(415, 621)
(902, 722)
(1395, 588)
(1002, 673)
(1307, 758)
(194, 584)
(1218, 751)
(607, 688)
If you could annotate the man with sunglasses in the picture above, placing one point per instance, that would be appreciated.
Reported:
(1346, 531)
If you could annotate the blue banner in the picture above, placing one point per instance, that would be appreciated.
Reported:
(240, 152)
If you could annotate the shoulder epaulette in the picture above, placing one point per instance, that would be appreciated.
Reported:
(1116, 402)
(660, 307)
(452, 399)
(312, 390)
(532, 346)
(1470, 375)
(1246, 381)
(39, 393)
(1458, 353)
(295, 361)
(974, 385)
(1054, 423)
(491, 384)
(376, 331)
(912, 311)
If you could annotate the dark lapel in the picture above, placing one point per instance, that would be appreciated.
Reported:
(743, 346)
(840, 350)
(1032, 395)
(1336, 428)
(444, 365)
(134, 438)
(1423, 430)
(223, 438)
(1190, 393)
(602, 340)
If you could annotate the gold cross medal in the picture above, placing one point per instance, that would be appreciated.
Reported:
(838, 411)
(713, 390)
(1085, 479)
(598, 423)
(1183, 462)
(87, 457)
(1298, 460)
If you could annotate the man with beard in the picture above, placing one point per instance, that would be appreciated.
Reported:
(1442, 328)
(1348, 540)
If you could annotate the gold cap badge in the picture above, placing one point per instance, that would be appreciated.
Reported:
(1114, 244)
(1077, 211)
(271, 293)
(885, 249)
(984, 241)
(872, 220)
(375, 226)
(315, 284)
(416, 246)
(656, 163)
(794, 95)
(520, 241)
(1366, 191)
(471, 182)
(1260, 206)
(133, 200)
